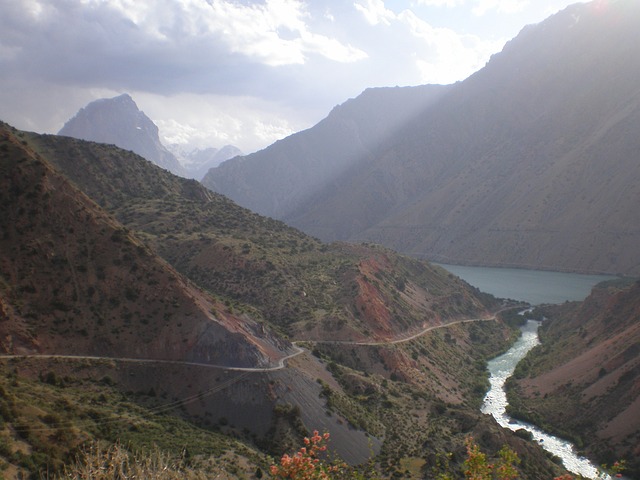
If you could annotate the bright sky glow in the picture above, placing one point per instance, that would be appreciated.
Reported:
(212, 72)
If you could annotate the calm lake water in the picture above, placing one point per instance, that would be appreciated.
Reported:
(533, 286)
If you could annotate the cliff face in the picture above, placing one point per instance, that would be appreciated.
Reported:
(586, 375)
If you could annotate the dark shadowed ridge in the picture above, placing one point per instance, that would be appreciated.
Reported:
(530, 162)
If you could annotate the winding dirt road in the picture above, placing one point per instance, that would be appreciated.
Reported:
(280, 364)
(403, 339)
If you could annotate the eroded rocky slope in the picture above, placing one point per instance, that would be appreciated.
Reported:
(584, 380)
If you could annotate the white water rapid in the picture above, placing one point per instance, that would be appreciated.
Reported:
(495, 403)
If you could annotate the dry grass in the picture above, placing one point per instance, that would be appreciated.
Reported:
(116, 463)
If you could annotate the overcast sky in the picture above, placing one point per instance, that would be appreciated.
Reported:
(216, 72)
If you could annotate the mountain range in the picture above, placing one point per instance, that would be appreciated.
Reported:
(530, 162)
(119, 278)
(314, 159)
(168, 295)
(118, 121)
(139, 308)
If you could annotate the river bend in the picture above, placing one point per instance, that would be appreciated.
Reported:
(495, 403)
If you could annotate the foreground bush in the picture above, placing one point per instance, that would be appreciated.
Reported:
(306, 464)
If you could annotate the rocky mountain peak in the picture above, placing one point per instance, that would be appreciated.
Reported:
(119, 121)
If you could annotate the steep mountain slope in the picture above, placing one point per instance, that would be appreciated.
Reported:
(584, 380)
(308, 289)
(276, 180)
(75, 281)
(55, 412)
(119, 121)
(530, 162)
(543, 171)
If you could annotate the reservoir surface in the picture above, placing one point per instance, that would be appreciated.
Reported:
(532, 286)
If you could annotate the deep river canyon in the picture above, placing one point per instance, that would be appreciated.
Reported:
(535, 287)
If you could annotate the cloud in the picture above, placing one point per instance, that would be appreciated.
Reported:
(213, 120)
(274, 33)
(375, 12)
(265, 57)
(420, 51)
(243, 71)
(167, 46)
(440, 3)
(500, 6)
(479, 7)
(446, 55)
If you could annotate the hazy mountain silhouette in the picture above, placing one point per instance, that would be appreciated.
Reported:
(118, 121)
(532, 161)
(197, 162)
(276, 180)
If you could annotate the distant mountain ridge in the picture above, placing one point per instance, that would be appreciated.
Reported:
(275, 181)
(118, 121)
(197, 162)
(531, 162)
